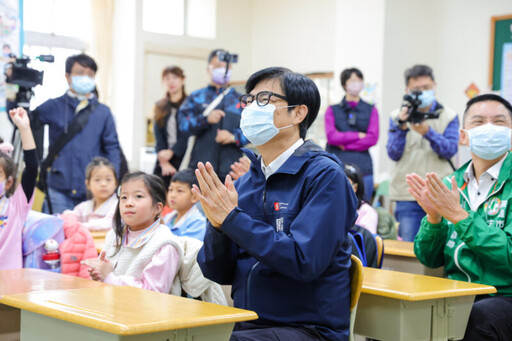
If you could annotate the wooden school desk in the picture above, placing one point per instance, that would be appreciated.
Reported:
(121, 313)
(396, 306)
(22, 281)
(399, 256)
(99, 239)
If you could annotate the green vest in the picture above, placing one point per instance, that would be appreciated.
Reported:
(419, 157)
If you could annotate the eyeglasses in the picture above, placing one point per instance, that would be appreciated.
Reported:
(262, 98)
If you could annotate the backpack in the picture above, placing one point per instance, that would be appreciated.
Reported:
(38, 228)
(386, 224)
(364, 246)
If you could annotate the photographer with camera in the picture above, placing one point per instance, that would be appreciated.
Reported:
(423, 136)
(80, 128)
(211, 115)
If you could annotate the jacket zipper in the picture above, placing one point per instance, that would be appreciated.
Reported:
(256, 264)
(456, 259)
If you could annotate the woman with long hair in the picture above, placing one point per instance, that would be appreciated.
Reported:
(170, 143)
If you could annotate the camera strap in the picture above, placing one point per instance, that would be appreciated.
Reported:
(451, 164)
(192, 139)
(79, 122)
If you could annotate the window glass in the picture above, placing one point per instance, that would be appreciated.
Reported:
(201, 18)
(38, 15)
(163, 16)
(72, 18)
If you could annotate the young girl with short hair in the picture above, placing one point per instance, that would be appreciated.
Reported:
(101, 181)
(15, 203)
(139, 251)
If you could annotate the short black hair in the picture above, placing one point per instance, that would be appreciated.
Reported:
(81, 59)
(418, 71)
(297, 88)
(347, 73)
(214, 53)
(487, 97)
(186, 176)
(354, 174)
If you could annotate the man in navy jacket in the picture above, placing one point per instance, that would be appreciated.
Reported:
(279, 236)
(66, 178)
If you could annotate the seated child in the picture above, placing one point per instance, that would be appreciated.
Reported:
(139, 251)
(185, 219)
(101, 182)
(15, 203)
(367, 216)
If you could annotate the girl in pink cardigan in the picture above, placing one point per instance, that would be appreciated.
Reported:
(15, 203)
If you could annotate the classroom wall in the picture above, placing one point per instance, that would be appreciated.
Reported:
(297, 34)
(134, 95)
(382, 38)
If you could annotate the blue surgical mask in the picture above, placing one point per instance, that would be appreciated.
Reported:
(489, 141)
(82, 84)
(257, 123)
(426, 97)
(218, 76)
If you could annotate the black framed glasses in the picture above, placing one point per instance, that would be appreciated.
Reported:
(262, 98)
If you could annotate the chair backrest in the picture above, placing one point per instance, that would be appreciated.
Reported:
(380, 250)
(356, 280)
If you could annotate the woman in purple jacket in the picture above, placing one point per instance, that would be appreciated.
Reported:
(352, 127)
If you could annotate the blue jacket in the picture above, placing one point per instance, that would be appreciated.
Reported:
(192, 122)
(97, 138)
(284, 248)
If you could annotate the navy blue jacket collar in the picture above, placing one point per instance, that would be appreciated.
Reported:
(296, 160)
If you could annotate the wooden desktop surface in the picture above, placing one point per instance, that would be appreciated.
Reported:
(124, 310)
(22, 281)
(398, 248)
(99, 234)
(412, 287)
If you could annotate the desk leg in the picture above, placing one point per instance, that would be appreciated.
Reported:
(450, 317)
(9, 323)
(36, 327)
(390, 319)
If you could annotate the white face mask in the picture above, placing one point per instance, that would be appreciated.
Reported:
(257, 123)
(354, 88)
(489, 141)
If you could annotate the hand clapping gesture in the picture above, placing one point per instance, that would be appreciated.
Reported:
(436, 199)
(217, 199)
(99, 268)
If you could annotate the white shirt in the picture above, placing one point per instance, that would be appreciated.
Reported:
(280, 160)
(478, 191)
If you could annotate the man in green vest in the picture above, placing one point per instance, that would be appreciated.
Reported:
(468, 226)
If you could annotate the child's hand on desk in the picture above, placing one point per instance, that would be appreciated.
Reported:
(99, 268)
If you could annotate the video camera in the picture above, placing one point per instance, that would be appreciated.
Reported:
(413, 101)
(227, 57)
(25, 77)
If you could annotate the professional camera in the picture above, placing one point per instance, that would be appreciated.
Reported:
(413, 101)
(25, 77)
(227, 57)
